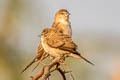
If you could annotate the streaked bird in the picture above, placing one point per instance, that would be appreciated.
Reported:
(61, 23)
(57, 44)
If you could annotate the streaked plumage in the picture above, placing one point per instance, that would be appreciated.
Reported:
(58, 44)
(61, 23)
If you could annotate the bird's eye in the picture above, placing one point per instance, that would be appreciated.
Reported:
(62, 13)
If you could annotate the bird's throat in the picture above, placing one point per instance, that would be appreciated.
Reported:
(65, 27)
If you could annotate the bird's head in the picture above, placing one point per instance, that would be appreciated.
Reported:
(62, 16)
(45, 32)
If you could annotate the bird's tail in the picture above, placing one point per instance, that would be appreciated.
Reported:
(77, 55)
(36, 58)
(29, 65)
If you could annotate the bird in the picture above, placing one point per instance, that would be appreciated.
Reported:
(61, 23)
(57, 44)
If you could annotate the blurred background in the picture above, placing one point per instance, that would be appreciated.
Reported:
(96, 31)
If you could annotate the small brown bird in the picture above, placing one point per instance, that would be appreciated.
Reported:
(57, 44)
(61, 23)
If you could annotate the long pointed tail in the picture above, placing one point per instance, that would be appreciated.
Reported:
(36, 58)
(77, 55)
(29, 64)
(33, 61)
(86, 60)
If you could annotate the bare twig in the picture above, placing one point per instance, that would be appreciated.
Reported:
(60, 71)
(62, 74)
(45, 72)
(38, 75)
(69, 70)
(49, 68)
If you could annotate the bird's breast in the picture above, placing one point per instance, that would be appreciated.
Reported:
(66, 29)
(55, 52)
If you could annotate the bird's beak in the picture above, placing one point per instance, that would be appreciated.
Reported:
(39, 35)
(69, 14)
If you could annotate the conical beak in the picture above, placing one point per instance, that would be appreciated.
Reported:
(39, 35)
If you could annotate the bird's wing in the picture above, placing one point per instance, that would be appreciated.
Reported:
(69, 45)
(55, 41)
(61, 41)
(40, 49)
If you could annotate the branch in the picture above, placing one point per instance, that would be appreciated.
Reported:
(45, 72)
(62, 74)
(49, 68)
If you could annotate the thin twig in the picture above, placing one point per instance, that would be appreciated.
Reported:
(48, 67)
(38, 75)
(62, 74)
(69, 70)
(60, 71)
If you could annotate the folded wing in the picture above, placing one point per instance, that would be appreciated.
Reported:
(62, 41)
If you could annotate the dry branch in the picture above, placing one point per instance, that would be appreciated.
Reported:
(45, 72)
(49, 68)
